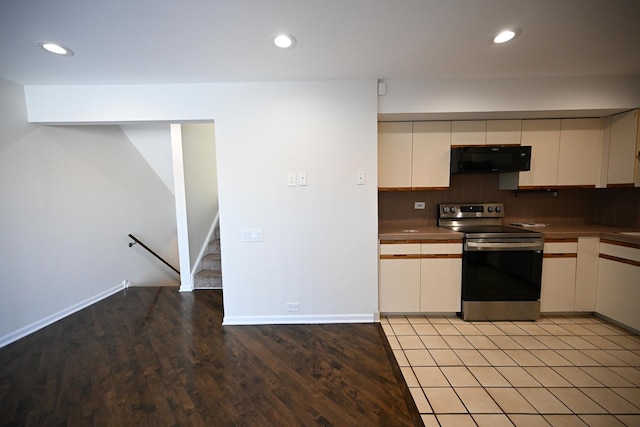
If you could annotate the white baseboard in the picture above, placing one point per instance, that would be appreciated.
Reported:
(35, 326)
(298, 320)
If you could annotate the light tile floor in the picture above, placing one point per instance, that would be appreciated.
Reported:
(557, 371)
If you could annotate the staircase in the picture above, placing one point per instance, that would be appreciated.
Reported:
(209, 275)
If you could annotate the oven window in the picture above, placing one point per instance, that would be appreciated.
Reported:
(501, 275)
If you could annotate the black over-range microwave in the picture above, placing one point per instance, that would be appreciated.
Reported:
(490, 159)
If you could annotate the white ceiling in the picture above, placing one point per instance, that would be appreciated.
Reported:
(192, 41)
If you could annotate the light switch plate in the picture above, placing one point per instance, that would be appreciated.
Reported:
(360, 178)
(251, 234)
(302, 179)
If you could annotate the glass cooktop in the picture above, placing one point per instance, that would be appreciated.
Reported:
(494, 231)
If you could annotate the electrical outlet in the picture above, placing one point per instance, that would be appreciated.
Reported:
(251, 234)
(293, 306)
(418, 205)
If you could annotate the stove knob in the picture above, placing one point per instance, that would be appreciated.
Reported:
(498, 209)
(453, 210)
(490, 209)
(445, 209)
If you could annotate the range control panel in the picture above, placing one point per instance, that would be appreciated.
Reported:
(468, 210)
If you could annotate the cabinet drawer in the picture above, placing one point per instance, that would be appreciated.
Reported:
(441, 248)
(620, 250)
(569, 246)
(400, 249)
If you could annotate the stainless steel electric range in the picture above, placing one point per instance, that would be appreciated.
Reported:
(501, 265)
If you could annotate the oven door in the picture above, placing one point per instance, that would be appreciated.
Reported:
(502, 270)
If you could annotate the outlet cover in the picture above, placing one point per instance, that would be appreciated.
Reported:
(418, 205)
(293, 306)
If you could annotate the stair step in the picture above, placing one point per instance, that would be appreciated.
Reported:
(213, 247)
(210, 274)
(208, 279)
(211, 262)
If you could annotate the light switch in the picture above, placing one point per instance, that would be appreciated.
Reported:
(291, 179)
(302, 179)
(360, 178)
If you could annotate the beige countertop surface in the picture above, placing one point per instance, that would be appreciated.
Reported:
(433, 232)
(428, 232)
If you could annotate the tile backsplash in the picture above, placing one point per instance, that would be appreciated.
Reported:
(605, 206)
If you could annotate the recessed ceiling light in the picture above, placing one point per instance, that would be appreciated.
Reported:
(505, 36)
(55, 48)
(284, 41)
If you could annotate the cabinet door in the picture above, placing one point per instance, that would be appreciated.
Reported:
(431, 154)
(394, 154)
(558, 283)
(544, 138)
(619, 292)
(399, 289)
(471, 132)
(504, 132)
(559, 276)
(587, 273)
(441, 285)
(622, 148)
(580, 158)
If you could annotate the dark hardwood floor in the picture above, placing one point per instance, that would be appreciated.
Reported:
(154, 356)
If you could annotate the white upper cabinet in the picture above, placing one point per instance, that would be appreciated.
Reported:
(414, 155)
(544, 138)
(624, 144)
(580, 157)
(504, 132)
(394, 154)
(431, 154)
(486, 132)
(471, 132)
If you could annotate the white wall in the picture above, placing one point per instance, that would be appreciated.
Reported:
(505, 95)
(320, 241)
(201, 183)
(70, 196)
(153, 141)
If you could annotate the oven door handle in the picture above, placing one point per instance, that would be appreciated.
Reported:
(503, 246)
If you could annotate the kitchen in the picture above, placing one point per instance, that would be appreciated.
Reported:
(447, 336)
(578, 220)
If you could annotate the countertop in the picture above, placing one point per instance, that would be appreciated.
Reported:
(428, 232)
(433, 232)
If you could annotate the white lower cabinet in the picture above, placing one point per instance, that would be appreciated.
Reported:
(399, 281)
(587, 273)
(440, 285)
(569, 275)
(440, 277)
(618, 294)
(559, 275)
(420, 277)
